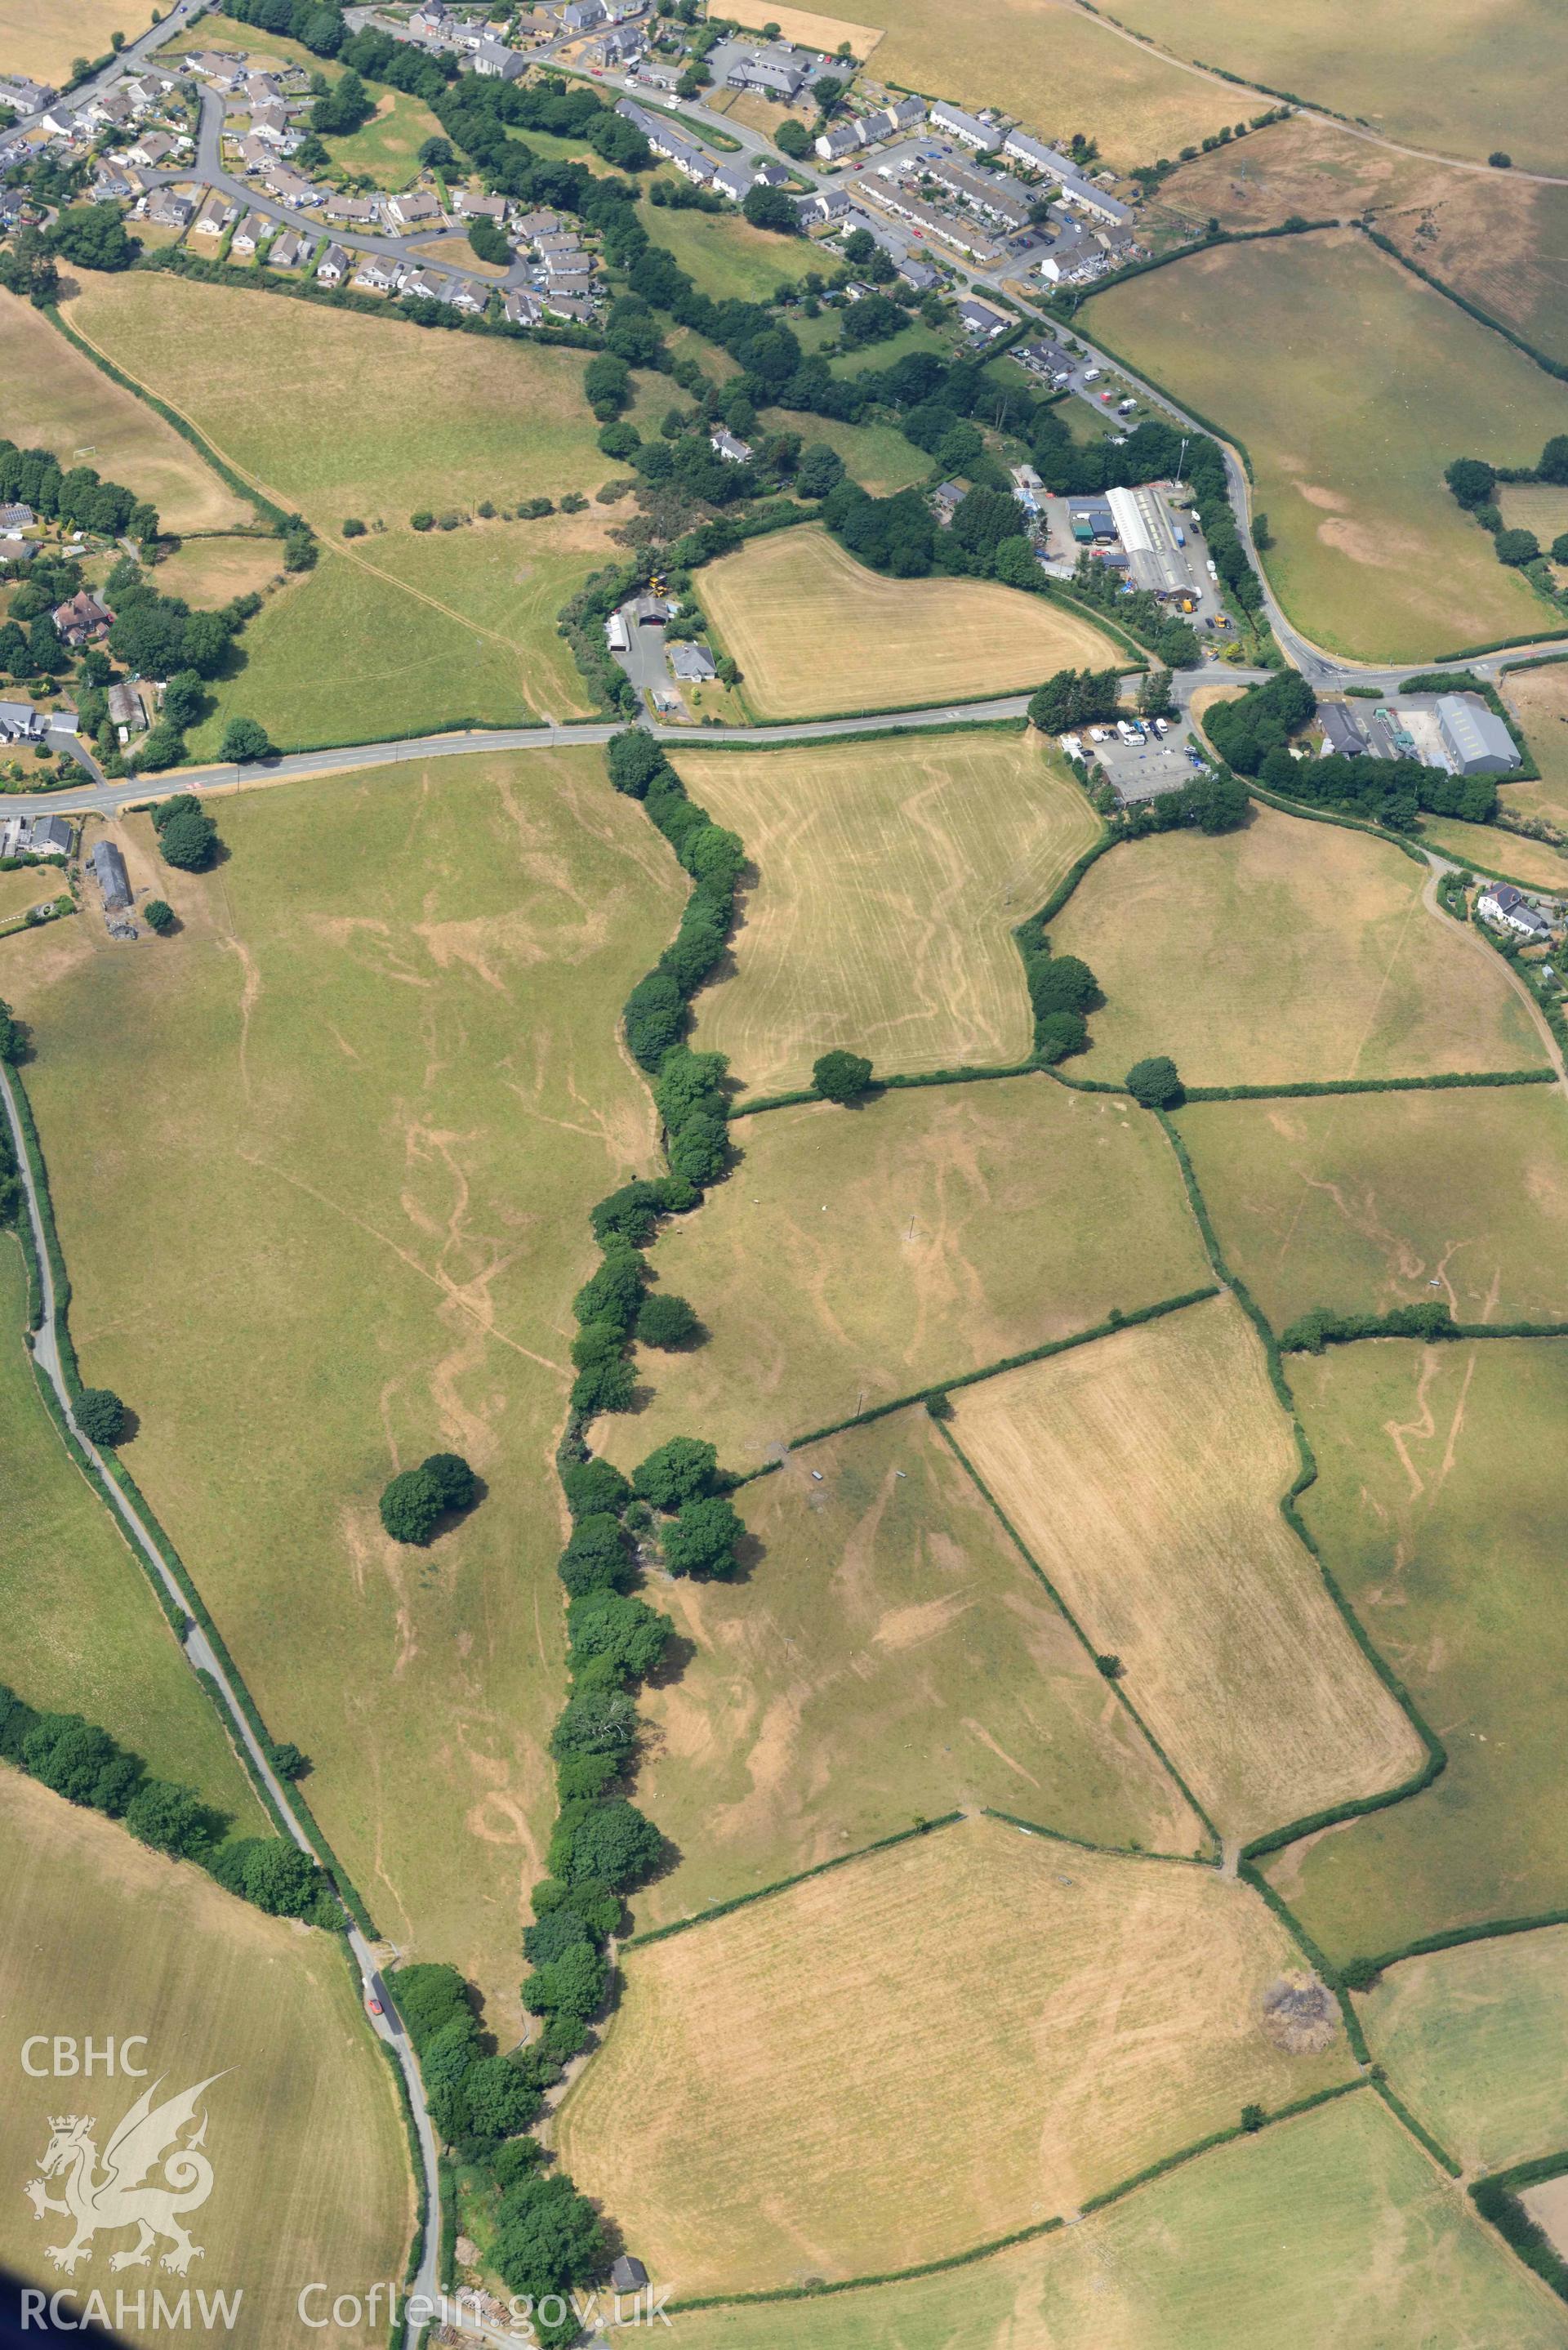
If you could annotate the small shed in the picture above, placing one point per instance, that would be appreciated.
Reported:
(627, 2275)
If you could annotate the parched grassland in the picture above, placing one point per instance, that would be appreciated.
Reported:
(1340, 2211)
(1539, 700)
(1539, 506)
(1283, 953)
(815, 632)
(1362, 1202)
(309, 2161)
(1144, 1473)
(30, 885)
(52, 397)
(805, 26)
(788, 2091)
(1057, 68)
(1439, 1505)
(726, 258)
(82, 1632)
(1459, 76)
(386, 148)
(889, 876)
(1476, 2040)
(335, 1224)
(1374, 383)
(889, 1657)
(857, 1255)
(1533, 864)
(44, 42)
(406, 427)
(212, 571)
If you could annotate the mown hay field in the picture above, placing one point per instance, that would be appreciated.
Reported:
(1060, 70)
(1462, 77)
(1539, 700)
(1539, 506)
(45, 42)
(857, 1256)
(815, 632)
(808, 26)
(212, 571)
(1363, 1201)
(1144, 1473)
(322, 1165)
(889, 877)
(1338, 2210)
(52, 397)
(1439, 1506)
(310, 2166)
(1475, 2039)
(1375, 384)
(1285, 951)
(889, 1656)
(789, 2091)
(82, 1632)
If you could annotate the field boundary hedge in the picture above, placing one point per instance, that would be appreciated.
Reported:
(1033, 1564)
(1471, 309)
(786, 1884)
(1183, 408)
(1497, 2200)
(71, 1371)
(1087, 1844)
(731, 738)
(899, 1083)
(1115, 1321)
(1447, 1081)
(1455, 1938)
(1418, 2130)
(1286, 807)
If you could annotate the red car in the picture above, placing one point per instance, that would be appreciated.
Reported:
(375, 2006)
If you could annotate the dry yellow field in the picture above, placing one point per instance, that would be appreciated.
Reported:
(890, 877)
(30, 885)
(889, 1657)
(1539, 506)
(310, 2176)
(43, 38)
(52, 397)
(1533, 864)
(815, 632)
(1361, 1201)
(1285, 950)
(856, 1256)
(804, 26)
(1475, 2039)
(210, 571)
(795, 2090)
(1539, 700)
(1059, 68)
(1144, 1473)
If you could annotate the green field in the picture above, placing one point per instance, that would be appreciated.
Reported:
(1475, 2039)
(1361, 1202)
(303, 2133)
(389, 1085)
(386, 149)
(1438, 1504)
(916, 337)
(889, 1657)
(82, 1631)
(1373, 384)
(1532, 864)
(1458, 76)
(1284, 952)
(877, 456)
(790, 2091)
(856, 1256)
(1337, 2217)
(889, 877)
(725, 257)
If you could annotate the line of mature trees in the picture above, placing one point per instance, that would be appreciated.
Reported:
(1474, 484)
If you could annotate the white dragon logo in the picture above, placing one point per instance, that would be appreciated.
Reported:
(119, 2199)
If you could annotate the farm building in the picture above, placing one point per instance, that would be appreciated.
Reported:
(732, 450)
(1342, 731)
(109, 873)
(1476, 739)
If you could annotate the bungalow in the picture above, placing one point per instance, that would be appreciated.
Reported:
(417, 208)
(918, 274)
(979, 319)
(725, 445)
(1047, 359)
(216, 216)
(494, 62)
(565, 306)
(968, 128)
(468, 206)
(522, 309)
(351, 212)
(569, 271)
(947, 499)
(288, 250)
(110, 111)
(465, 294)
(109, 873)
(148, 90)
(291, 190)
(261, 88)
(224, 71)
(270, 124)
(333, 266)
(81, 620)
(110, 185)
(1502, 903)
(255, 155)
(423, 285)
(691, 663)
(558, 241)
(375, 275)
(533, 225)
(50, 836)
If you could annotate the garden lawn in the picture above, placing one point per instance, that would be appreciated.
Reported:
(854, 1256)
(1144, 1474)
(1439, 1505)
(1361, 1202)
(82, 1631)
(787, 2091)
(888, 1656)
(310, 2163)
(725, 257)
(1286, 951)
(1375, 384)
(889, 876)
(1339, 2209)
(1475, 2039)
(53, 397)
(327, 1218)
(817, 635)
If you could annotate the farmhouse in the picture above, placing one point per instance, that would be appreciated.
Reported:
(724, 444)
(1502, 903)
(82, 618)
(969, 128)
(109, 873)
(1475, 738)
